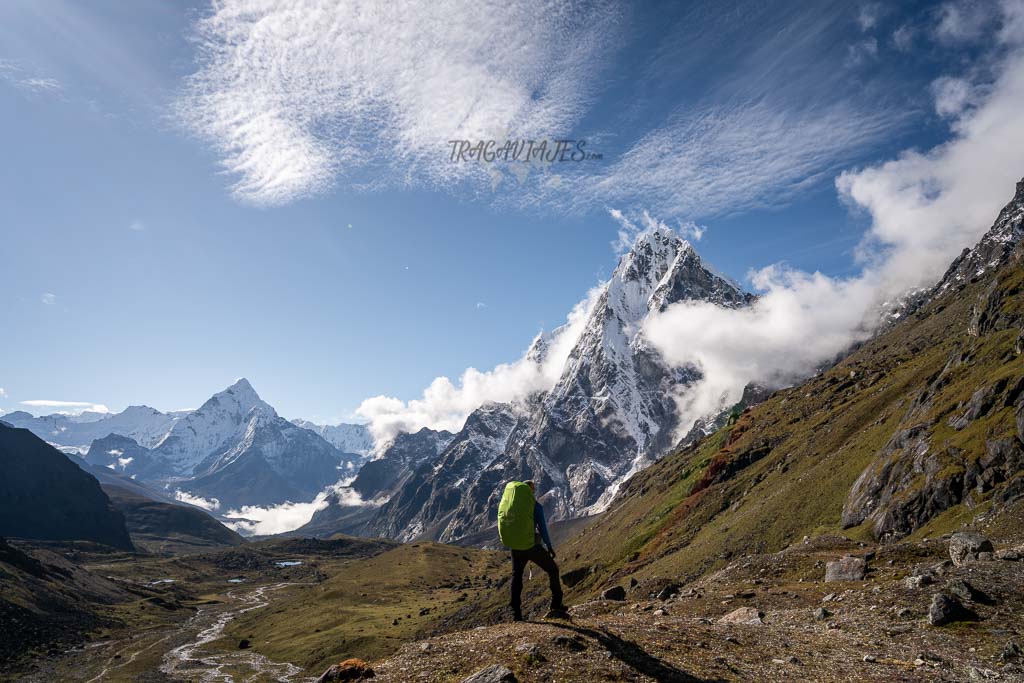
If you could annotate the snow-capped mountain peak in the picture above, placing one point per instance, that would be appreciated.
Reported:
(223, 418)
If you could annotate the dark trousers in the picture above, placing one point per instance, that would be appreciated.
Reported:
(540, 557)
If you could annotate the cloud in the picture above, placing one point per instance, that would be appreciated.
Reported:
(925, 207)
(868, 16)
(137, 226)
(446, 404)
(480, 305)
(729, 158)
(964, 20)
(952, 96)
(276, 519)
(25, 77)
(48, 298)
(293, 97)
(45, 85)
(3, 394)
(210, 504)
(631, 228)
(903, 38)
(861, 52)
(67, 407)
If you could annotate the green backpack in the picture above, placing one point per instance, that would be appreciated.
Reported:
(515, 516)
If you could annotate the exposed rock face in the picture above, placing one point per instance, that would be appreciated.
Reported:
(43, 495)
(431, 502)
(964, 547)
(846, 569)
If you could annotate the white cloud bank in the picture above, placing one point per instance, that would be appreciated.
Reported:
(925, 207)
(210, 504)
(254, 520)
(445, 404)
(294, 95)
(67, 407)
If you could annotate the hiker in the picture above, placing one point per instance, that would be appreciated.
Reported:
(522, 528)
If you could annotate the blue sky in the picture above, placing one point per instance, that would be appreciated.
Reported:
(170, 222)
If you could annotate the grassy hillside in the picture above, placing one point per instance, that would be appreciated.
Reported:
(368, 608)
(887, 420)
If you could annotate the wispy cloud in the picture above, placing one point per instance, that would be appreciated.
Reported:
(295, 96)
(3, 393)
(48, 298)
(137, 226)
(70, 407)
(26, 77)
(730, 158)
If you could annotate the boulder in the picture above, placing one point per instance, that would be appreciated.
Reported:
(574, 576)
(668, 591)
(743, 615)
(614, 593)
(495, 673)
(530, 652)
(846, 569)
(348, 670)
(915, 582)
(965, 546)
(946, 609)
(961, 589)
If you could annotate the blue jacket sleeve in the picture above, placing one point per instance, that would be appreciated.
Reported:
(541, 524)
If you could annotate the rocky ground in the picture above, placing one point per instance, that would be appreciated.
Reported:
(767, 617)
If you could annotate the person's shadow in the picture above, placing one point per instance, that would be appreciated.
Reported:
(634, 656)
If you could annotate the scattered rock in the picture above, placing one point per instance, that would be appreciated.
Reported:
(732, 639)
(829, 598)
(348, 670)
(633, 583)
(870, 659)
(904, 613)
(985, 556)
(1010, 555)
(846, 569)
(495, 673)
(1011, 652)
(965, 591)
(426, 647)
(614, 593)
(821, 614)
(243, 644)
(530, 652)
(743, 615)
(915, 582)
(668, 591)
(660, 612)
(965, 546)
(946, 609)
